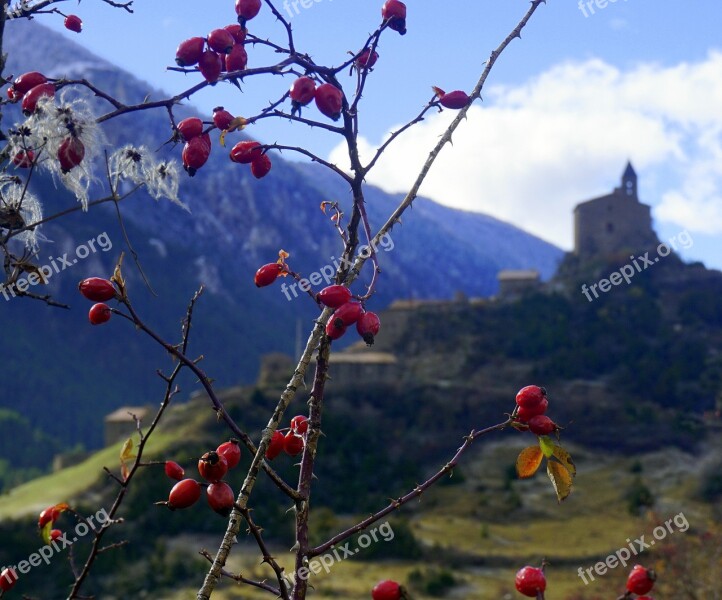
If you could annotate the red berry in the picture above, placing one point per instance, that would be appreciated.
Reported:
(530, 396)
(641, 580)
(222, 118)
(99, 314)
(239, 33)
(303, 90)
(368, 327)
(97, 289)
(174, 470)
(644, 598)
(212, 466)
(31, 97)
(24, 160)
(12, 94)
(27, 81)
(49, 515)
(231, 451)
(386, 590)
(8, 579)
(542, 425)
(70, 153)
(237, 59)
(221, 41)
(276, 446)
(74, 23)
(195, 154)
(335, 328)
(299, 424)
(189, 52)
(55, 534)
(210, 66)
(455, 100)
(329, 100)
(246, 152)
(524, 414)
(261, 166)
(349, 313)
(221, 498)
(395, 12)
(292, 443)
(530, 581)
(334, 296)
(247, 9)
(190, 128)
(366, 60)
(267, 274)
(184, 494)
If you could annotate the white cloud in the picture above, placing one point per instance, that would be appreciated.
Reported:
(529, 153)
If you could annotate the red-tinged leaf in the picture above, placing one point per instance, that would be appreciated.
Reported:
(561, 479)
(561, 455)
(528, 462)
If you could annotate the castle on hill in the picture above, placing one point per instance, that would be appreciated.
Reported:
(613, 224)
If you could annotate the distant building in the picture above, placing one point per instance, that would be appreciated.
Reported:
(512, 284)
(120, 424)
(614, 224)
(364, 367)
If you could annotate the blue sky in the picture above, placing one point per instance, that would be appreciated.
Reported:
(564, 109)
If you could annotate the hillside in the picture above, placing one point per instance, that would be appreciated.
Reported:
(230, 231)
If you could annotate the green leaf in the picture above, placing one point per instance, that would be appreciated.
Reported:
(561, 479)
(547, 445)
(528, 462)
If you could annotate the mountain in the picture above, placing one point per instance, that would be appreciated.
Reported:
(63, 375)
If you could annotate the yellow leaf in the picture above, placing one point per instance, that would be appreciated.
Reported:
(45, 533)
(528, 462)
(565, 459)
(126, 453)
(561, 479)
(117, 277)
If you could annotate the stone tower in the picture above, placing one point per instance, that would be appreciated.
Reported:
(614, 224)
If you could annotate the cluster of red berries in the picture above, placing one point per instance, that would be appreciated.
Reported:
(197, 146)
(213, 467)
(530, 581)
(388, 590)
(292, 442)
(28, 89)
(347, 313)
(223, 49)
(329, 98)
(532, 403)
(251, 153)
(641, 581)
(100, 291)
(49, 516)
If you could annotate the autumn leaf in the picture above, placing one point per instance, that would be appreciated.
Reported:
(561, 479)
(126, 454)
(565, 459)
(528, 462)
